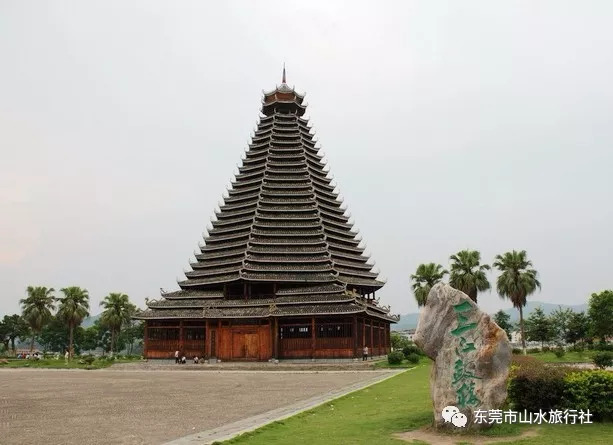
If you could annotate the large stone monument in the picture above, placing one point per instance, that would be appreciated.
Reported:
(471, 355)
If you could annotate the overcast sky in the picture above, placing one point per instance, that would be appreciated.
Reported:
(447, 125)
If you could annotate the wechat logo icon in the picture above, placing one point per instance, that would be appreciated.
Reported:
(452, 414)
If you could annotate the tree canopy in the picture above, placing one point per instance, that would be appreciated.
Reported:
(468, 274)
(38, 308)
(600, 310)
(517, 280)
(426, 276)
(116, 314)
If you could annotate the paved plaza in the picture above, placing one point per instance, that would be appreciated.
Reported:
(115, 406)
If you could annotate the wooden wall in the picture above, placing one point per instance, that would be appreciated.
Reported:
(244, 342)
(232, 341)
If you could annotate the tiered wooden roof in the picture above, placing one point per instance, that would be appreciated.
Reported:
(281, 223)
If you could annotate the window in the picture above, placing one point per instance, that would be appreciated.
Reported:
(163, 333)
(296, 331)
(333, 330)
(193, 333)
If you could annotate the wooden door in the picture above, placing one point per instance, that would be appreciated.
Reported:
(245, 345)
(238, 345)
(252, 346)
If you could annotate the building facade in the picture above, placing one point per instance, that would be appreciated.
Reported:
(281, 273)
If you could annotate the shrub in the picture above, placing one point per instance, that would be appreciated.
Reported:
(603, 346)
(546, 349)
(516, 351)
(88, 359)
(395, 358)
(411, 349)
(533, 350)
(591, 390)
(559, 352)
(413, 358)
(535, 385)
(577, 347)
(603, 359)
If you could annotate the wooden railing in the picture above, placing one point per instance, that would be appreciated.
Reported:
(163, 345)
(334, 343)
(295, 344)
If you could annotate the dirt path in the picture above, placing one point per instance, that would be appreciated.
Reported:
(146, 407)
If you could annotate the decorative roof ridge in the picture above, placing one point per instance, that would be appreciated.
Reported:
(210, 273)
(213, 263)
(355, 273)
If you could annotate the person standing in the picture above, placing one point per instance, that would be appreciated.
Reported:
(365, 353)
(176, 356)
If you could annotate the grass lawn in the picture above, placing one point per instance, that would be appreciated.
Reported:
(384, 364)
(61, 363)
(569, 357)
(399, 404)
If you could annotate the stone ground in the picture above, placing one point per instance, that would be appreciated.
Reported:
(132, 406)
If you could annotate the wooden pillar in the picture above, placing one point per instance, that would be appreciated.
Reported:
(363, 332)
(207, 339)
(275, 338)
(218, 340)
(379, 332)
(181, 337)
(389, 337)
(371, 339)
(245, 290)
(146, 340)
(312, 337)
(355, 336)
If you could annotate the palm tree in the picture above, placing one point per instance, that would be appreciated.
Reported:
(37, 308)
(426, 276)
(517, 280)
(74, 307)
(117, 313)
(467, 274)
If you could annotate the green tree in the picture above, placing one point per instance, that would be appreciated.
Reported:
(517, 280)
(578, 328)
(600, 311)
(560, 319)
(117, 313)
(539, 327)
(133, 334)
(91, 338)
(503, 320)
(54, 336)
(4, 336)
(74, 307)
(16, 327)
(468, 274)
(426, 276)
(398, 341)
(38, 309)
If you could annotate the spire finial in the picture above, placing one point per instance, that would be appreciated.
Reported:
(283, 79)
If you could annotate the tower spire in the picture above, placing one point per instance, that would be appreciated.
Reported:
(283, 78)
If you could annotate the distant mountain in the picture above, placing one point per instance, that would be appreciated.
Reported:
(89, 321)
(409, 321)
(548, 308)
